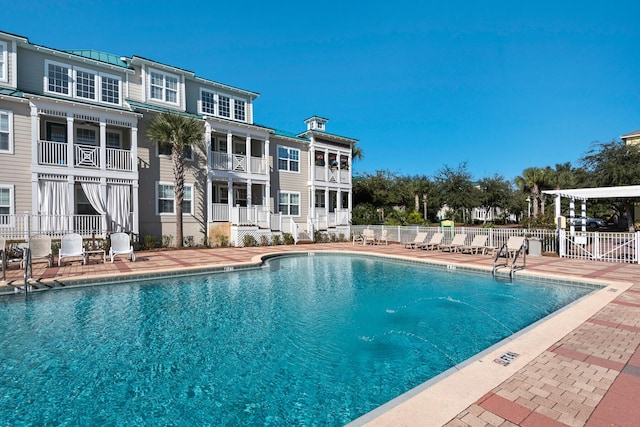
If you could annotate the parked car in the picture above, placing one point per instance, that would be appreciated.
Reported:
(592, 223)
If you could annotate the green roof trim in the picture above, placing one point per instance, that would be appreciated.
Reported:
(327, 134)
(160, 109)
(292, 135)
(11, 92)
(107, 58)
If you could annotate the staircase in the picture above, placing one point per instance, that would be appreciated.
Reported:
(303, 238)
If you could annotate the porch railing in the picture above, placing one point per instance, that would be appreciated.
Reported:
(53, 153)
(238, 163)
(219, 212)
(21, 226)
(259, 165)
(322, 173)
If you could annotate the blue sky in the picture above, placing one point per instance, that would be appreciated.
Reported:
(501, 85)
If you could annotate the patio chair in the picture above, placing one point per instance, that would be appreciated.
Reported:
(478, 244)
(457, 242)
(121, 245)
(433, 243)
(40, 248)
(419, 240)
(368, 237)
(514, 245)
(383, 237)
(71, 247)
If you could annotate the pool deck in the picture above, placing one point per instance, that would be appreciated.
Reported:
(581, 367)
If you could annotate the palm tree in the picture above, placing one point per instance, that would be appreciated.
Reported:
(532, 180)
(179, 132)
(356, 152)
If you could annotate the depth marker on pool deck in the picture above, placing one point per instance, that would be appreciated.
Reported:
(506, 358)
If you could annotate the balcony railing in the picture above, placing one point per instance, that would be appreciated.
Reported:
(238, 163)
(241, 215)
(53, 153)
(21, 226)
(325, 174)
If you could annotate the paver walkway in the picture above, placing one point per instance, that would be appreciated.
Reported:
(590, 377)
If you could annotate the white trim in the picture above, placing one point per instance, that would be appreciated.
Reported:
(623, 192)
(277, 159)
(290, 204)
(47, 64)
(164, 75)
(172, 185)
(4, 65)
(12, 205)
(9, 149)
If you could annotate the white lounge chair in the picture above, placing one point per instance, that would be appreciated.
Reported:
(478, 244)
(515, 244)
(71, 247)
(383, 237)
(40, 248)
(457, 242)
(368, 237)
(419, 240)
(433, 243)
(121, 245)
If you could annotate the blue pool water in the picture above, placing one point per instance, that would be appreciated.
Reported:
(308, 340)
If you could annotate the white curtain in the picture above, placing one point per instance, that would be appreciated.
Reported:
(118, 207)
(94, 195)
(53, 205)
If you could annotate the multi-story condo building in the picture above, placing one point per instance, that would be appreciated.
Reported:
(74, 155)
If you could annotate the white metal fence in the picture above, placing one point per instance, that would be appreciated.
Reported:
(599, 246)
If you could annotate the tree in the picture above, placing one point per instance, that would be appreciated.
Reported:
(495, 193)
(178, 132)
(532, 181)
(613, 164)
(457, 190)
(356, 152)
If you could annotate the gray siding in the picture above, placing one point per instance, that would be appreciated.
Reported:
(291, 181)
(15, 169)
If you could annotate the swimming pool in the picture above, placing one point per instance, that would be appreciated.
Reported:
(313, 340)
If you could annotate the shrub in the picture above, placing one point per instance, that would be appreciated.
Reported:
(276, 239)
(189, 241)
(248, 240)
(167, 240)
(264, 240)
(148, 241)
(288, 238)
(341, 237)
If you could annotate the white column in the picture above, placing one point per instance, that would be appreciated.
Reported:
(103, 144)
(103, 195)
(338, 199)
(136, 207)
(35, 135)
(209, 153)
(134, 151)
(248, 151)
(584, 215)
(249, 192)
(34, 194)
(326, 167)
(207, 143)
(230, 195)
(312, 201)
(326, 200)
(572, 215)
(230, 151)
(71, 196)
(70, 147)
(267, 187)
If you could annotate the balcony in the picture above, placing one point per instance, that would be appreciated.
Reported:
(52, 153)
(325, 220)
(335, 175)
(238, 163)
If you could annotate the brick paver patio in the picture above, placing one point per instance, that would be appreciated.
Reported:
(590, 377)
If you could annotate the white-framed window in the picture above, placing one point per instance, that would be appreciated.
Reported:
(239, 110)
(82, 83)
(166, 199)
(289, 203)
(164, 150)
(114, 139)
(110, 87)
(224, 103)
(208, 102)
(6, 132)
(288, 159)
(85, 82)
(163, 87)
(86, 136)
(4, 72)
(58, 78)
(7, 208)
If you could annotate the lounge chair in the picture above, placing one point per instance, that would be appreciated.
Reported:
(40, 248)
(433, 243)
(368, 237)
(121, 245)
(419, 240)
(514, 245)
(457, 242)
(383, 237)
(71, 247)
(478, 244)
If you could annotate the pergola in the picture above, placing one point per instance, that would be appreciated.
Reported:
(583, 194)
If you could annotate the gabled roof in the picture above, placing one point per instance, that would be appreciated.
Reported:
(630, 134)
(107, 58)
(327, 134)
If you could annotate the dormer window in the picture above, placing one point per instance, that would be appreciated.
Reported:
(163, 87)
(222, 105)
(81, 83)
(3, 62)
